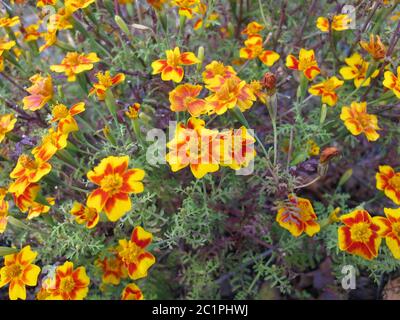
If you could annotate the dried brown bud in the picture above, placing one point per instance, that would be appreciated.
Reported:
(269, 81)
(328, 154)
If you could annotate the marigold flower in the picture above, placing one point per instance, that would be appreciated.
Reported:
(258, 90)
(113, 269)
(390, 230)
(49, 38)
(42, 3)
(5, 44)
(115, 183)
(254, 49)
(185, 98)
(41, 92)
(38, 209)
(313, 148)
(156, 4)
(374, 47)
(25, 200)
(339, 23)
(27, 171)
(1, 64)
(132, 292)
(75, 63)
(360, 234)
(7, 22)
(60, 20)
(388, 181)
(305, 63)
(298, 217)
(134, 255)
(85, 215)
(216, 72)
(133, 111)
(65, 117)
(326, 90)
(7, 123)
(252, 28)
(357, 69)
(51, 143)
(3, 214)
(31, 32)
(170, 68)
(75, 5)
(213, 16)
(187, 7)
(393, 82)
(69, 284)
(105, 81)
(357, 120)
(19, 271)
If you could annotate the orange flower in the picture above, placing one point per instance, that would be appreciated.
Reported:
(84, 214)
(69, 284)
(116, 182)
(19, 271)
(187, 7)
(42, 3)
(360, 234)
(26, 200)
(326, 90)
(170, 68)
(65, 117)
(374, 47)
(393, 82)
(105, 82)
(51, 143)
(60, 20)
(134, 255)
(7, 123)
(133, 111)
(388, 181)
(216, 72)
(185, 98)
(41, 92)
(254, 49)
(306, 63)
(132, 292)
(27, 171)
(357, 120)
(298, 216)
(38, 209)
(31, 32)
(7, 22)
(75, 63)
(357, 69)
(252, 28)
(339, 23)
(113, 269)
(390, 230)
(156, 4)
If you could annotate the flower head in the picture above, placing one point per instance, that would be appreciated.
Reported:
(41, 92)
(75, 5)
(185, 98)
(390, 230)
(42, 3)
(187, 7)
(374, 47)
(3, 211)
(6, 44)
(9, 22)
(156, 4)
(65, 117)
(326, 90)
(85, 215)
(393, 82)
(105, 81)
(51, 143)
(115, 183)
(113, 269)
(357, 120)
(133, 111)
(252, 28)
(388, 181)
(305, 63)
(216, 72)
(357, 69)
(339, 23)
(31, 32)
(132, 292)
(37, 209)
(254, 49)
(7, 123)
(25, 200)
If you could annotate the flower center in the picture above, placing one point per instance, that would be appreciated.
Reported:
(28, 163)
(306, 63)
(104, 79)
(111, 183)
(395, 181)
(13, 271)
(130, 253)
(329, 86)
(361, 232)
(67, 284)
(72, 59)
(60, 111)
(364, 120)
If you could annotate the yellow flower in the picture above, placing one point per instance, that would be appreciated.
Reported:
(357, 69)
(187, 7)
(216, 72)
(133, 111)
(357, 120)
(5, 44)
(7, 123)
(3, 210)
(390, 230)
(254, 49)
(41, 91)
(313, 148)
(252, 28)
(326, 90)
(339, 23)
(393, 82)
(9, 22)
(31, 32)
(306, 63)
(105, 81)
(38, 209)
(388, 181)
(132, 292)
(89, 216)
(374, 47)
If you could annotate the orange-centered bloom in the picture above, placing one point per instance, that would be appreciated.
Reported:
(339, 23)
(134, 255)
(388, 181)
(170, 68)
(326, 90)
(7, 122)
(113, 269)
(18, 272)
(298, 216)
(31, 32)
(393, 82)
(41, 92)
(115, 183)
(252, 28)
(69, 284)
(187, 7)
(185, 98)
(88, 216)
(374, 47)
(390, 230)
(9, 22)
(132, 292)
(357, 120)
(216, 72)
(305, 63)
(133, 111)
(27, 171)
(105, 81)
(65, 117)
(51, 143)
(254, 49)
(360, 234)
(75, 63)
(357, 69)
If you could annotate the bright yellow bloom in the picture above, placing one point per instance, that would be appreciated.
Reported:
(313, 148)
(7, 123)
(393, 82)
(9, 22)
(305, 63)
(258, 90)
(74, 5)
(216, 72)
(374, 47)
(1, 64)
(390, 230)
(252, 28)
(31, 32)
(60, 20)
(42, 3)
(357, 120)
(18, 272)
(388, 181)
(51, 143)
(132, 292)
(170, 68)
(326, 90)
(254, 49)
(116, 182)
(133, 111)
(85, 215)
(105, 81)
(339, 23)
(65, 117)
(187, 7)
(75, 63)
(41, 92)
(357, 69)
(50, 38)
(3, 210)
(5, 44)
(185, 98)
(113, 269)
(38, 209)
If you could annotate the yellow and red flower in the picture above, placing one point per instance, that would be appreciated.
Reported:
(105, 81)
(25, 200)
(393, 82)
(65, 117)
(4, 206)
(133, 111)
(75, 63)
(258, 90)
(170, 68)
(41, 92)
(388, 181)
(6, 44)
(357, 120)
(216, 72)
(7, 123)
(252, 28)
(51, 143)
(156, 4)
(298, 216)
(374, 47)
(185, 98)
(339, 23)
(187, 7)
(254, 49)
(113, 269)
(306, 63)
(357, 69)
(326, 90)
(19, 271)
(116, 182)
(360, 234)
(134, 255)
(390, 230)
(38, 209)
(85, 215)
(31, 32)
(49, 38)
(7, 22)
(75, 5)
(132, 292)
(42, 3)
